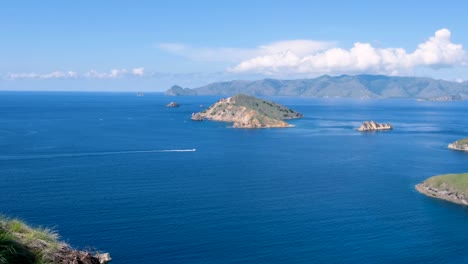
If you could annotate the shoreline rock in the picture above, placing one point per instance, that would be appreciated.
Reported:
(67, 255)
(373, 126)
(461, 145)
(22, 243)
(443, 194)
(448, 187)
(197, 117)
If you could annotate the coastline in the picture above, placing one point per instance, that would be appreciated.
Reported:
(442, 194)
(453, 146)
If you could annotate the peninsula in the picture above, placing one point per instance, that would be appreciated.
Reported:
(461, 144)
(20, 243)
(248, 112)
(373, 126)
(449, 187)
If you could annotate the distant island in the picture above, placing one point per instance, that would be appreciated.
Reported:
(373, 126)
(461, 144)
(344, 86)
(445, 98)
(449, 187)
(172, 104)
(248, 112)
(20, 243)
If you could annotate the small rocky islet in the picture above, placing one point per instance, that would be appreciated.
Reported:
(374, 126)
(173, 104)
(248, 112)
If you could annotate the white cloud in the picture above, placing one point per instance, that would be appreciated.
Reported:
(50, 75)
(437, 51)
(235, 55)
(299, 47)
(138, 71)
(207, 54)
(112, 74)
(92, 74)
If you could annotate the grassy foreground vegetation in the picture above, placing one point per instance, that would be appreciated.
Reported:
(455, 182)
(20, 243)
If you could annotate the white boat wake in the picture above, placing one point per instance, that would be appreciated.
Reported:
(179, 150)
(86, 154)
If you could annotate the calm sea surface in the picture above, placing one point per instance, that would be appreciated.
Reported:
(113, 171)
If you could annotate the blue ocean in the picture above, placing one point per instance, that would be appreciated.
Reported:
(126, 175)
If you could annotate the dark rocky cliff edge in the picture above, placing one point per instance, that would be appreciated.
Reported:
(20, 243)
(449, 187)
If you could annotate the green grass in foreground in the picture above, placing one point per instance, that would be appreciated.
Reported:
(19, 243)
(456, 182)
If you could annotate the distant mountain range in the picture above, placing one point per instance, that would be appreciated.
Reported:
(344, 86)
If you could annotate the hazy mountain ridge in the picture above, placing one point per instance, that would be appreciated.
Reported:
(346, 86)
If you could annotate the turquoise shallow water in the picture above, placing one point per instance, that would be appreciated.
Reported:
(116, 172)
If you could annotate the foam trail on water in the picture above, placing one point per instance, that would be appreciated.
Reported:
(86, 154)
(179, 150)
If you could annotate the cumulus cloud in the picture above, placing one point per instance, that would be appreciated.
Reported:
(235, 55)
(437, 51)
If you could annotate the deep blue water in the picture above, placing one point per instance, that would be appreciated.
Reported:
(92, 166)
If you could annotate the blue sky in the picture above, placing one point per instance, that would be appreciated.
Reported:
(150, 45)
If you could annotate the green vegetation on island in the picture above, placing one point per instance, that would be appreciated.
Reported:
(344, 86)
(449, 187)
(248, 112)
(20, 243)
(461, 144)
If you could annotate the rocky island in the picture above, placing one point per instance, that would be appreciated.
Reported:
(248, 112)
(449, 187)
(373, 126)
(461, 144)
(172, 104)
(20, 243)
